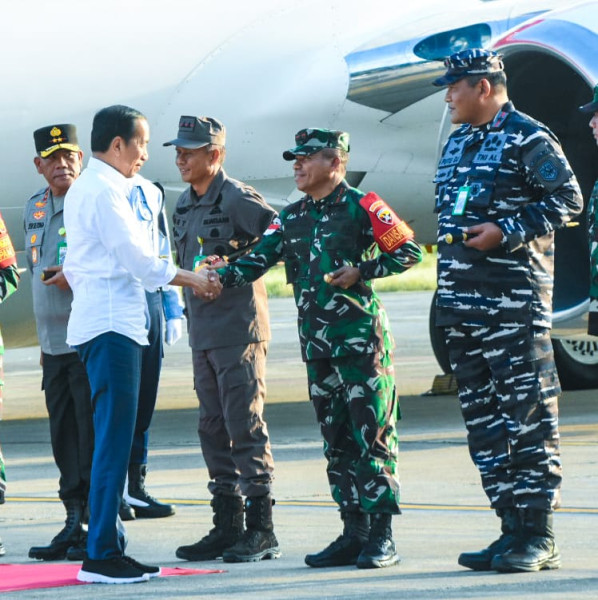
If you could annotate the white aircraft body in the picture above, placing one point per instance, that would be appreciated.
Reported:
(267, 69)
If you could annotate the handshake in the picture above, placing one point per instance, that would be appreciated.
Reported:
(206, 283)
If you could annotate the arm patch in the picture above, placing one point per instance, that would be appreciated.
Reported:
(546, 166)
(390, 231)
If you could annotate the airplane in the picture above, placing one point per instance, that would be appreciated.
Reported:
(267, 69)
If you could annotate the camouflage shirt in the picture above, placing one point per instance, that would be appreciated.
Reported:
(593, 238)
(314, 238)
(513, 173)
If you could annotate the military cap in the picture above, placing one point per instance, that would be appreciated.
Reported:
(474, 61)
(312, 140)
(592, 106)
(55, 137)
(197, 132)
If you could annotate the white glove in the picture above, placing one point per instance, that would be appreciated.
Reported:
(174, 330)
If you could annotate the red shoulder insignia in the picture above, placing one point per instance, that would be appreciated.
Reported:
(390, 231)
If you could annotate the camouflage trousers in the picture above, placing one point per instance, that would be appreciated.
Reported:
(508, 389)
(357, 409)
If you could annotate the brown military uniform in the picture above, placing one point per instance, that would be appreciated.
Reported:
(228, 337)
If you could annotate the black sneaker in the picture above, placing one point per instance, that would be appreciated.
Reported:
(2, 549)
(111, 570)
(149, 569)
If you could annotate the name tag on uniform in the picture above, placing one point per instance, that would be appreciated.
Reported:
(461, 202)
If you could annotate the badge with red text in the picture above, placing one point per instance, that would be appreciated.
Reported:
(390, 231)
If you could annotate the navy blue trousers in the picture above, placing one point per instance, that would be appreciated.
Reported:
(113, 364)
(151, 364)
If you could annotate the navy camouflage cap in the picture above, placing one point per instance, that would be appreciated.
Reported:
(197, 132)
(474, 61)
(312, 140)
(592, 106)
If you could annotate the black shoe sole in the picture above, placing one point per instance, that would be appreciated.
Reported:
(270, 553)
(316, 564)
(373, 563)
(142, 512)
(58, 555)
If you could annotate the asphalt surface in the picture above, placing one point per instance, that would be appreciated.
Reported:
(444, 509)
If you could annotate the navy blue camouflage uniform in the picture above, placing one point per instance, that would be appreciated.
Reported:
(496, 306)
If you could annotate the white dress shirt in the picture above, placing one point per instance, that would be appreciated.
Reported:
(109, 261)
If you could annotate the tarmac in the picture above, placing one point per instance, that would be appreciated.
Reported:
(444, 509)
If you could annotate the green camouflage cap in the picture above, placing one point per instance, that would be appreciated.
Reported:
(593, 105)
(312, 140)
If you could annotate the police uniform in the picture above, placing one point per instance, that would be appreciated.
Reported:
(592, 107)
(496, 305)
(345, 337)
(64, 379)
(65, 382)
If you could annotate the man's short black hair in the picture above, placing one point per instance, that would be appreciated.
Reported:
(498, 78)
(113, 121)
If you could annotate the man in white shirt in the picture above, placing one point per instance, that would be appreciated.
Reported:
(109, 265)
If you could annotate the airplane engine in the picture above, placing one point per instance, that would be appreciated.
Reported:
(551, 72)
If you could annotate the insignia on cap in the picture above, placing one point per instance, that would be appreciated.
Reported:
(55, 132)
(187, 124)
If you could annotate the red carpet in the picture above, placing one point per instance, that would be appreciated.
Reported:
(44, 575)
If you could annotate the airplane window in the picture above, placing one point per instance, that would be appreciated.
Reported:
(440, 45)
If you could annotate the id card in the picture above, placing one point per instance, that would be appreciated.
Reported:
(461, 202)
(61, 253)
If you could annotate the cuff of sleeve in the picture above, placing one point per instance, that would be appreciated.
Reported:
(224, 275)
(366, 269)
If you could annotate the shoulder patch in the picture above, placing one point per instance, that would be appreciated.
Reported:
(390, 231)
(547, 170)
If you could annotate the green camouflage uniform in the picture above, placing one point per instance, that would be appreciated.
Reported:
(345, 338)
(591, 108)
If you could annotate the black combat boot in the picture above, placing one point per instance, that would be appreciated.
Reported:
(66, 537)
(347, 547)
(144, 505)
(228, 529)
(535, 549)
(380, 550)
(78, 552)
(510, 527)
(258, 542)
(125, 512)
